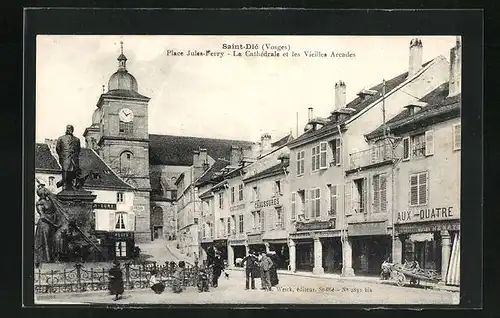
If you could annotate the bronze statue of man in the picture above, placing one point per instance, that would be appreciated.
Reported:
(68, 149)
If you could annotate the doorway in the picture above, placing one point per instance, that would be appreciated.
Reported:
(157, 232)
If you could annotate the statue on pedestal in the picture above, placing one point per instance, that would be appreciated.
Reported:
(68, 149)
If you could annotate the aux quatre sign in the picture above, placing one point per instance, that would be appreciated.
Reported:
(420, 215)
(266, 203)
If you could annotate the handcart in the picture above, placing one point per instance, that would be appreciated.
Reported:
(412, 271)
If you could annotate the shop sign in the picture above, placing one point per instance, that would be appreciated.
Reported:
(104, 206)
(220, 242)
(123, 235)
(428, 227)
(237, 242)
(266, 203)
(237, 207)
(373, 228)
(254, 239)
(420, 215)
(315, 225)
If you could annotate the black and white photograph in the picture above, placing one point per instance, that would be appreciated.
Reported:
(247, 169)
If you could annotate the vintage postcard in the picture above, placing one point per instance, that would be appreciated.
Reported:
(247, 169)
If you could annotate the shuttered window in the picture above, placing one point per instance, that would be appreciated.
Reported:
(322, 150)
(262, 221)
(315, 158)
(315, 202)
(279, 218)
(406, 148)
(300, 162)
(418, 143)
(232, 194)
(307, 205)
(240, 192)
(241, 223)
(457, 137)
(120, 221)
(333, 201)
(294, 206)
(419, 189)
(348, 197)
(379, 185)
(337, 152)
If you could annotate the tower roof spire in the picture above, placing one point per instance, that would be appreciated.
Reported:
(122, 59)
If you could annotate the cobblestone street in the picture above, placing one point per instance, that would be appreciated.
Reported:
(292, 290)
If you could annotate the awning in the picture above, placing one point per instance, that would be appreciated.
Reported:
(421, 237)
(453, 273)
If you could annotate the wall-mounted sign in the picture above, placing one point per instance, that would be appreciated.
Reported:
(423, 227)
(315, 225)
(104, 206)
(372, 228)
(254, 239)
(237, 207)
(266, 203)
(124, 235)
(420, 215)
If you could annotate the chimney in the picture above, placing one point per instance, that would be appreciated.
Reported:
(340, 95)
(455, 87)
(236, 156)
(203, 158)
(415, 57)
(309, 114)
(266, 142)
(196, 159)
(256, 148)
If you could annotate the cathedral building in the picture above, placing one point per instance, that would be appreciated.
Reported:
(149, 163)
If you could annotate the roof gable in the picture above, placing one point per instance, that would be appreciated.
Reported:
(359, 104)
(178, 150)
(44, 160)
(100, 175)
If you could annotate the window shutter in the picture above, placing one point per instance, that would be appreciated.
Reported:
(406, 148)
(294, 206)
(348, 198)
(422, 188)
(337, 152)
(302, 162)
(333, 200)
(298, 163)
(131, 221)
(383, 193)
(457, 136)
(306, 205)
(365, 188)
(323, 147)
(318, 203)
(112, 221)
(413, 189)
(376, 193)
(429, 142)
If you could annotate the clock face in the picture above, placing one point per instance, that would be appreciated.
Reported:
(126, 115)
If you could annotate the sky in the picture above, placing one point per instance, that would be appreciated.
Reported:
(230, 97)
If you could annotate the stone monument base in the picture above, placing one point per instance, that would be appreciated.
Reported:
(77, 207)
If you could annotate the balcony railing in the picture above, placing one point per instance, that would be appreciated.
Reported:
(371, 156)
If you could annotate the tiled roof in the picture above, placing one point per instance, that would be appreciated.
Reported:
(283, 141)
(358, 104)
(178, 150)
(278, 168)
(124, 93)
(100, 175)
(209, 175)
(438, 103)
(44, 159)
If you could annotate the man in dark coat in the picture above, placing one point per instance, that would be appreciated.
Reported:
(273, 272)
(251, 266)
(116, 280)
(68, 149)
(217, 267)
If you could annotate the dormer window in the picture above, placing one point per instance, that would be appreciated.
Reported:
(96, 175)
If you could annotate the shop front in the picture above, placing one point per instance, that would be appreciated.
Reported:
(280, 247)
(255, 243)
(371, 244)
(434, 245)
(116, 245)
(237, 248)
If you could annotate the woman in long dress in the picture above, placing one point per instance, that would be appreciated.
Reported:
(116, 281)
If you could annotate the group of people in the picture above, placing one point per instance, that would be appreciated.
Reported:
(261, 264)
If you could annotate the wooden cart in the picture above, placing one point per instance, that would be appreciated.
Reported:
(415, 274)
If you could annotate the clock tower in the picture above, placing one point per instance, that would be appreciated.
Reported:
(121, 130)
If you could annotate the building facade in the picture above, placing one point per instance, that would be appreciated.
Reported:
(335, 225)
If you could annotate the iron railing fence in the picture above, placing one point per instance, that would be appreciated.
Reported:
(81, 279)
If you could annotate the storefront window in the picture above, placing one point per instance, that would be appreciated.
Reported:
(120, 249)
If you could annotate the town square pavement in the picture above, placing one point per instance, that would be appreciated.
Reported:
(291, 290)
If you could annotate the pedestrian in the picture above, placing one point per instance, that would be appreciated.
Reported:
(273, 272)
(217, 267)
(178, 278)
(265, 264)
(155, 282)
(116, 281)
(251, 264)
